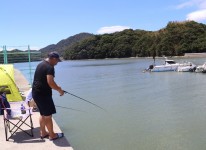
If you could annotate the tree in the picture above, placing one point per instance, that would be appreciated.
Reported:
(175, 39)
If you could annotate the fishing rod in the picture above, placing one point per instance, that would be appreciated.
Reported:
(84, 100)
(69, 108)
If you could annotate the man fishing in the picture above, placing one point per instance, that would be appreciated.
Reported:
(42, 94)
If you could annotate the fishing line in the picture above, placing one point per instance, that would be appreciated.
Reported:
(84, 100)
(70, 108)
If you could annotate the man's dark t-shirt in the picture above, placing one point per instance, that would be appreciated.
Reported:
(40, 84)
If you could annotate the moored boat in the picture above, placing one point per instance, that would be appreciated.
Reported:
(201, 68)
(171, 65)
(186, 67)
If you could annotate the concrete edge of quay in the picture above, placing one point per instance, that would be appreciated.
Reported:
(20, 140)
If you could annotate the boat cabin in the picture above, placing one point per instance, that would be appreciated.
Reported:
(170, 62)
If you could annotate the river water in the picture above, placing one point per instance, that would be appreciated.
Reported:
(143, 111)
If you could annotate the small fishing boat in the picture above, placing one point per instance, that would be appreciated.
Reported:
(201, 68)
(171, 65)
(186, 67)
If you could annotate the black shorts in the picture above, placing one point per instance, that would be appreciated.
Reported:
(45, 104)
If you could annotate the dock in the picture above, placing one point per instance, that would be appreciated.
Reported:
(20, 140)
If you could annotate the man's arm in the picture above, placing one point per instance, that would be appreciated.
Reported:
(53, 85)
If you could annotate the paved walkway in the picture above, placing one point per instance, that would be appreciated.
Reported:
(21, 141)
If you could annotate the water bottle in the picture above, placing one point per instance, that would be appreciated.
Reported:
(23, 110)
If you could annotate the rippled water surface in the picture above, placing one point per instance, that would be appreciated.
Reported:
(144, 111)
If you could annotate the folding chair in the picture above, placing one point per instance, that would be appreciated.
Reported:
(16, 119)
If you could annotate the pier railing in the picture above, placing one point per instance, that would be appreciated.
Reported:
(19, 54)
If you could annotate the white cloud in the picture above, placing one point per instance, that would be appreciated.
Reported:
(199, 15)
(183, 5)
(200, 4)
(112, 29)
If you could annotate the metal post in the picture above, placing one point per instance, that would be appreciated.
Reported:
(29, 56)
(6, 55)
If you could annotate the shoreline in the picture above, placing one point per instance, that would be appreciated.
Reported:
(185, 56)
(188, 55)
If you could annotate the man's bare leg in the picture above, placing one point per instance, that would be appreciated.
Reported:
(42, 123)
(49, 126)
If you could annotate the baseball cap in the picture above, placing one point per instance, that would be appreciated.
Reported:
(54, 55)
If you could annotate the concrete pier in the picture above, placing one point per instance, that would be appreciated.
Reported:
(22, 141)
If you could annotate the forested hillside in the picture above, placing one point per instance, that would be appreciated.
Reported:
(175, 39)
(63, 44)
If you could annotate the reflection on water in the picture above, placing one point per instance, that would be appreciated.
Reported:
(145, 111)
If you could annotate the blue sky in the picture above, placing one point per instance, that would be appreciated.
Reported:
(39, 23)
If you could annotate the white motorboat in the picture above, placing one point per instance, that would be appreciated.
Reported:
(186, 67)
(201, 68)
(169, 65)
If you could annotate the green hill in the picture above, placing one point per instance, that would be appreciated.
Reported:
(175, 39)
(63, 44)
